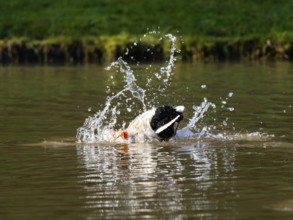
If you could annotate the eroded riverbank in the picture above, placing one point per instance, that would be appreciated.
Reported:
(106, 49)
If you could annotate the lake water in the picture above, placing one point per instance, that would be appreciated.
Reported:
(247, 174)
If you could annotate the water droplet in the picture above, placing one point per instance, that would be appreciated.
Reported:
(224, 123)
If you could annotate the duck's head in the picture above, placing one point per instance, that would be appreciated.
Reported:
(166, 120)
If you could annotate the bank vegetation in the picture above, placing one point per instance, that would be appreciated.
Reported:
(87, 31)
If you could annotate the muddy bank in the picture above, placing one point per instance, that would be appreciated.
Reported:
(26, 52)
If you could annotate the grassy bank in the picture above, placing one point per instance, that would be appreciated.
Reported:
(97, 31)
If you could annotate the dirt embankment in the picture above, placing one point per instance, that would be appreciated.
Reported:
(25, 52)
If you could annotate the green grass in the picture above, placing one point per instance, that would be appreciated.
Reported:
(204, 19)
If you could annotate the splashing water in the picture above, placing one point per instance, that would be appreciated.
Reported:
(99, 127)
(95, 126)
(190, 131)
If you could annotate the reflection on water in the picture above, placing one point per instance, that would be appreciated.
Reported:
(151, 179)
(177, 180)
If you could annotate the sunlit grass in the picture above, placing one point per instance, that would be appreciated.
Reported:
(212, 19)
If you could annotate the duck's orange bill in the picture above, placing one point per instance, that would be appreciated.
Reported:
(123, 134)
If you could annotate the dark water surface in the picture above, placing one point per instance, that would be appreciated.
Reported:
(45, 175)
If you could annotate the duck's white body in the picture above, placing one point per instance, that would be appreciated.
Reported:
(153, 123)
(156, 124)
(140, 129)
